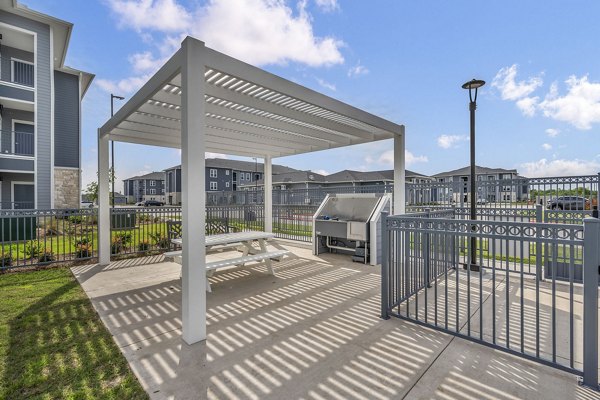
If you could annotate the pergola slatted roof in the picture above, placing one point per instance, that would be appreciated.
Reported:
(232, 108)
(247, 111)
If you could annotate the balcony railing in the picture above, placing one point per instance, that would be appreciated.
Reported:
(18, 143)
(22, 73)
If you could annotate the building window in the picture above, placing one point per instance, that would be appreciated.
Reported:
(152, 191)
(242, 176)
(227, 172)
(213, 173)
(226, 184)
(248, 176)
(152, 183)
(162, 191)
(213, 186)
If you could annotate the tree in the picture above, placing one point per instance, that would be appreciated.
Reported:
(91, 190)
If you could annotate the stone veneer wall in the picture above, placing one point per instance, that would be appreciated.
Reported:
(66, 188)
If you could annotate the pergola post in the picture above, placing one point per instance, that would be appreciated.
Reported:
(399, 173)
(193, 210)
(268, 181)
(103, 201)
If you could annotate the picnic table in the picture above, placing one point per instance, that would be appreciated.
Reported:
(243, 240)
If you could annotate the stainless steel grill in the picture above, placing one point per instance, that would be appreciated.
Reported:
(343, 224)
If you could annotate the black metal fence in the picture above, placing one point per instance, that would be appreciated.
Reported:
(528, 298)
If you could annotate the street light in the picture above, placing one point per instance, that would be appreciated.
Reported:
(112, 147)
(472, 87)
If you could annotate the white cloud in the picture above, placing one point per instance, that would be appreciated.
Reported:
(123, 86)
(560, 167)
(552, 132)
(159, 15)
(510, 89)
(321, 172)
(358, 70)
(326, 84)
(387, 158)
(328, 5)
(260, 32)
(580, 106)
(547, 146)
(448, 141)
(527, 105)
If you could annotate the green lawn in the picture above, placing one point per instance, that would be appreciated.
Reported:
(53, 344)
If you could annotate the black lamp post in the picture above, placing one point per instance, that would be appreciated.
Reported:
(112, 147)
(472, 86)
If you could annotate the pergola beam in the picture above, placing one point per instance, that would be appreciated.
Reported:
(164, 74)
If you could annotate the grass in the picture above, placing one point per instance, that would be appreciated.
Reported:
(53, 344)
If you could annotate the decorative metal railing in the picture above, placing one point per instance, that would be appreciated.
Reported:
(517, 303)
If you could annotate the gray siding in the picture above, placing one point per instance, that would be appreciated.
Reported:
(6, 184)
(44, 91)
(8, 116)
(221, 178)
(16, 164)
(7, 54)
(66, 120)
(16, 93)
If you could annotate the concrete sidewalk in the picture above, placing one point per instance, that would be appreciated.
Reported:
(311, 332)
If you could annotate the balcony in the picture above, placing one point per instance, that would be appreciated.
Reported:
(17, 143)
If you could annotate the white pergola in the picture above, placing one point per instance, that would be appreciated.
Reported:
(202, 101)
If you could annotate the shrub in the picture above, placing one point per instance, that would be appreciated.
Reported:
(144, 245)
(83, 251)
(76, 219)
(116, 245)
(123, 237)
(46, 256)
(5, 260)
(144, 218)
(33, 249)
(82, 241)
(160, 240)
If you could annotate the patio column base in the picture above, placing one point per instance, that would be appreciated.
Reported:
(472, 267)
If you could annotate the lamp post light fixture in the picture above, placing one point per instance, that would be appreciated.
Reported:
(112, 147)
(472, 87)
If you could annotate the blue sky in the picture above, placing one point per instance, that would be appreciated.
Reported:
(402, 60)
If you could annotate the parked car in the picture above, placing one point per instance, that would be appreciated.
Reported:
(568, 203)
(86, 204)
(481, 201)
(153, 203)
(140, 204)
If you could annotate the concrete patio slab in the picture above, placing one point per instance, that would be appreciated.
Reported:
(312, 331)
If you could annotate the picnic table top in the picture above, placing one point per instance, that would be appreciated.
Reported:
(225, 238)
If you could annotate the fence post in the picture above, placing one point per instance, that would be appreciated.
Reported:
(539, 213)
(591, 266)
(426, 256)
(385, 267)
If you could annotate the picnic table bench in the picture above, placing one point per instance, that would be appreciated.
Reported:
(244, 240)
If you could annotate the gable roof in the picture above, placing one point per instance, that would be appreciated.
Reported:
(158, 176)
(239, 165)
(478, 171)
(291, 177)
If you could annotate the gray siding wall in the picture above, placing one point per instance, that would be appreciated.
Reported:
(221, 178)
(16, 93)
(7, 179)
(66, 120)
(43, 118)
(8, 116)
(7, 54)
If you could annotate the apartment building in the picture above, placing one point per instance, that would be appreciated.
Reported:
(145, 187)
(220, 175)
(40, 111)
